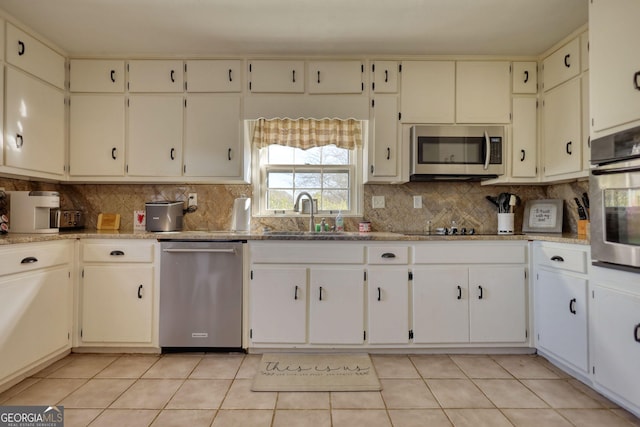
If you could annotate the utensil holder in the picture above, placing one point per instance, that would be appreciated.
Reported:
(505, 223)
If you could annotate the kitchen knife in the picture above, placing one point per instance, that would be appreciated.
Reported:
(585, 202)
(581, 212)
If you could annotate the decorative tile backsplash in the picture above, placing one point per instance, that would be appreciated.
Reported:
(442, 202)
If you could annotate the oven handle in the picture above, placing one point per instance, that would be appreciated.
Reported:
(221, 251)
(616, 170)
(487, 146)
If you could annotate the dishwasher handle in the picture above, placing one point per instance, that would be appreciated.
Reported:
(215, 251)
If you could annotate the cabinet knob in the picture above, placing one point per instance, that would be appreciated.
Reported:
(557, 258)
(117, 253)
(19, 141)
(29, 260)
(20, 47)
(388, 255)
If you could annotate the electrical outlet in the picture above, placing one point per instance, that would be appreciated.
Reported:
(377, 202)
(417, 202)
(193, 199)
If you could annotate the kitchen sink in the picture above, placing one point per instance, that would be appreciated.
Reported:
(312, 234)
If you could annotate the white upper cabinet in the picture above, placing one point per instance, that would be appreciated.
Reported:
(483, 92)
(584, 50)
(96, 75)
(335, 77)
(562, 65)
(384, 148)
(428, 91)
(272, 76)
(525, 77)
(155, 76)
(34, 57)
(525, 138)
(615, 63)
(384, 77)
(214, 75)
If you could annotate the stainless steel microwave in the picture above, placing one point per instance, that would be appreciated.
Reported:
(456, 152)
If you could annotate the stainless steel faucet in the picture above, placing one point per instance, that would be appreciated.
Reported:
(296, 208)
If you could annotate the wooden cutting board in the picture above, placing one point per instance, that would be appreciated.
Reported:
(108, 221)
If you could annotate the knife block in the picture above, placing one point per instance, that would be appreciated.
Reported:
(583, 227)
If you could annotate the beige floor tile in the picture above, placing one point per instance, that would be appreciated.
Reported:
(97, 393)
(240, 396)
(407, 394)
(148, 394)
(593, 418)
(536, 418)
(525, 366)
(18, 388)
(477, 418)
(635, 421)
(243, 418)
(218, 367)
(437, 367)
(509, 394)
(307, 400)
(550, 366)
(357, 400)
(559, 394)
(125, 418)
(363, 418)
(302, 418)
(48, 391)
(394, 367)
(184, 418)
(249, 366)
(200, 394)
(480, 367)
(458, 394)
(419, 418)
(83, 367)
(54, 367)
(128, 367)
(593, 394)
(80, 417)
(173, 367)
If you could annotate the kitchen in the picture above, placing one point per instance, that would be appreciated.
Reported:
(406, 207)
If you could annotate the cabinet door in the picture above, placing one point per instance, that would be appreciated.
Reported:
(155, 76)
(562, 65)
(483, 92)
(117, 304)
(278, 306)
(428, 91)
(561, 316)
(96, 75)
(614, 58)
(562, 129)
(276, 76)
(525, 77)
(35, 317)
(388, 302)
(155, 135)
(34, 57)
(335, 77)
(213, 146)
(336, 306)
(384, 149)
(497, 304)
(96, 135)
(34, 132)
(214, 75)
(384, 77)
(586, 128)
(525, 141)
(440, 305)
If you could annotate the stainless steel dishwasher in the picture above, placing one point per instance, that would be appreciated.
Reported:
(200, 295)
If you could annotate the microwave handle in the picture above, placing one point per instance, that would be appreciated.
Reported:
(487, 155)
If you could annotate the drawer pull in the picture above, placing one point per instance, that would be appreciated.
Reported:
(113, 76)
(566, 60)
(20, 48)
(379, 294)
(295, 293)
(388, 255)
(635, 333)
(140, 292)
(320, 293)
(173, 76)
(481, 292)
(572, 306)
(459, 292)
(557, 258)
(29, 260)
(116, 253)
(526, 76)
(522, 155)
(230, 78)
(113, 153)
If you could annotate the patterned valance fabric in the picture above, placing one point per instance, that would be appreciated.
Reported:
(308, 133)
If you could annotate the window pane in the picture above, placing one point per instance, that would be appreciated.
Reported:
(279, 199)
(280, 155)
(335, 200)
(332, 155)
(279, 179)
(308, 180)
(312, 156)
(336, 180)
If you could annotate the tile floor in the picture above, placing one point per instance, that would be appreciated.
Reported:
(214, 390)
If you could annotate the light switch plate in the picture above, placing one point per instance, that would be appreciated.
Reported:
(377, 202)
(193, 199)
(417, 202)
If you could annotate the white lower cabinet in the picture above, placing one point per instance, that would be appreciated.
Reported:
(387, 303)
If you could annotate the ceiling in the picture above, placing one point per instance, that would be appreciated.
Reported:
(300, 27)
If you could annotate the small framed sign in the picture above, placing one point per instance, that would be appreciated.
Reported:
(543, 216)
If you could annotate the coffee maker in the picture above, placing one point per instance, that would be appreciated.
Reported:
(30, 211)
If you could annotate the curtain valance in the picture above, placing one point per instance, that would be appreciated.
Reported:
(308, 133)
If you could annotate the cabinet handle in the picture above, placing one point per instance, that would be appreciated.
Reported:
(572, 306)
(295, 293)
(140, 292)
(522, 155)
(29, 260)
(318, 77)
(173, 76)
(459, 292)
(20, 47)
(526, 76)
(379, 294)
(388, 255)
(113, 153)
(566, 60)
(481, 292)
(229, 154)
(19, 141)
(113, 76)
(371, 168)
(557, 258)
(230, 78)
(568, 147)
(293, 75)
(386, 76)
(320, 293)
(388, 153)
(635, 80)
(116, 253)
(172, 154)
(635, 333)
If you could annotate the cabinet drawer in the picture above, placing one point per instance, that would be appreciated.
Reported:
(561, 258)
(388, 255)
(117, 252)
(562, 65)
(312, 253)
(470, 253)
(33, 256)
